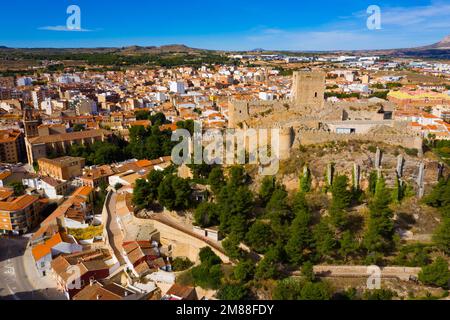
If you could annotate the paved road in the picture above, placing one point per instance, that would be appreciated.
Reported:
(18, 278)
(115, 235)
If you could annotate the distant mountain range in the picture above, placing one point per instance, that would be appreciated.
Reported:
(439, 50)
(444, 44)
(171, 48)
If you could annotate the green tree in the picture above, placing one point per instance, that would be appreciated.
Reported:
(238, 176)
(174, 193)
(268, 266)
(208, 257)
(206, 215)
(308, 271)
(296, 289)
(158, 119)
(142, 115)
(244, 271)
(442, 235)
(341, 200)
(373, 177)
(181, 264)
(18, 188)
(141, 194)
(288, 289)
(266, 190)
(440, 197)
(380, 232)
(235, 206)
(300, 238)
(232, 292)
(436, 274)
(154, 179)
(315, 291)
(231, 246)
(279, 213)
(348, 245)
(259, 236)
(323, 238)
(216, 180)
(207, 276)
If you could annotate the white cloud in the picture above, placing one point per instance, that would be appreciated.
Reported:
(63, 28)
(402, 27)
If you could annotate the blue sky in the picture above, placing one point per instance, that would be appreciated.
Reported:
(228, 25)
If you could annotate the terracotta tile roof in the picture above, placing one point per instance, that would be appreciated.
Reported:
(171, 127)
(83, 191)
(40, 251)
(5, 174)
(144, 123)
(19, 203)
(181, 291)
(9, 135)
(72, 136)
(96, 292)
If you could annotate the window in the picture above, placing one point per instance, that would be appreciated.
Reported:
(315, 95)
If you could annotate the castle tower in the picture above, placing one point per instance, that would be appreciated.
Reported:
(308, 90)
(238, 111)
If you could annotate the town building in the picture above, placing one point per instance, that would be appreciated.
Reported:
(63, 168)
(12, 146)
(41, 146)
(18, 215)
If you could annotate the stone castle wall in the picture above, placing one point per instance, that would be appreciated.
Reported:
(320, 137)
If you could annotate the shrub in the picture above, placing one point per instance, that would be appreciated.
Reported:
(379, 294)
(436, 274)
(181, 264)
(232, 292)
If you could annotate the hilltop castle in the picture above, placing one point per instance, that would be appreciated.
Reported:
(306, 118)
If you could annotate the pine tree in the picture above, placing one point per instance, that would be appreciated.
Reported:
(300, 239)
(380, 232)
(342, 198)
(323, 239)
(266, 190)
(348, 245)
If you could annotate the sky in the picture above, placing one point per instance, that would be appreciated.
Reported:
(225, 25)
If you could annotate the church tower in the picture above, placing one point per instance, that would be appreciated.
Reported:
(30, 123)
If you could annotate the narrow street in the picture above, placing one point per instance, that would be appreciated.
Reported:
(19, 279)
(115, 235)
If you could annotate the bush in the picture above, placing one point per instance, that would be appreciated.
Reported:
(181, 264)
(244, 271)
(436, 274)
(372, 149)
(208, 257)
(379, 294)
(232, 292)
(206, 276)
(412, 152)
